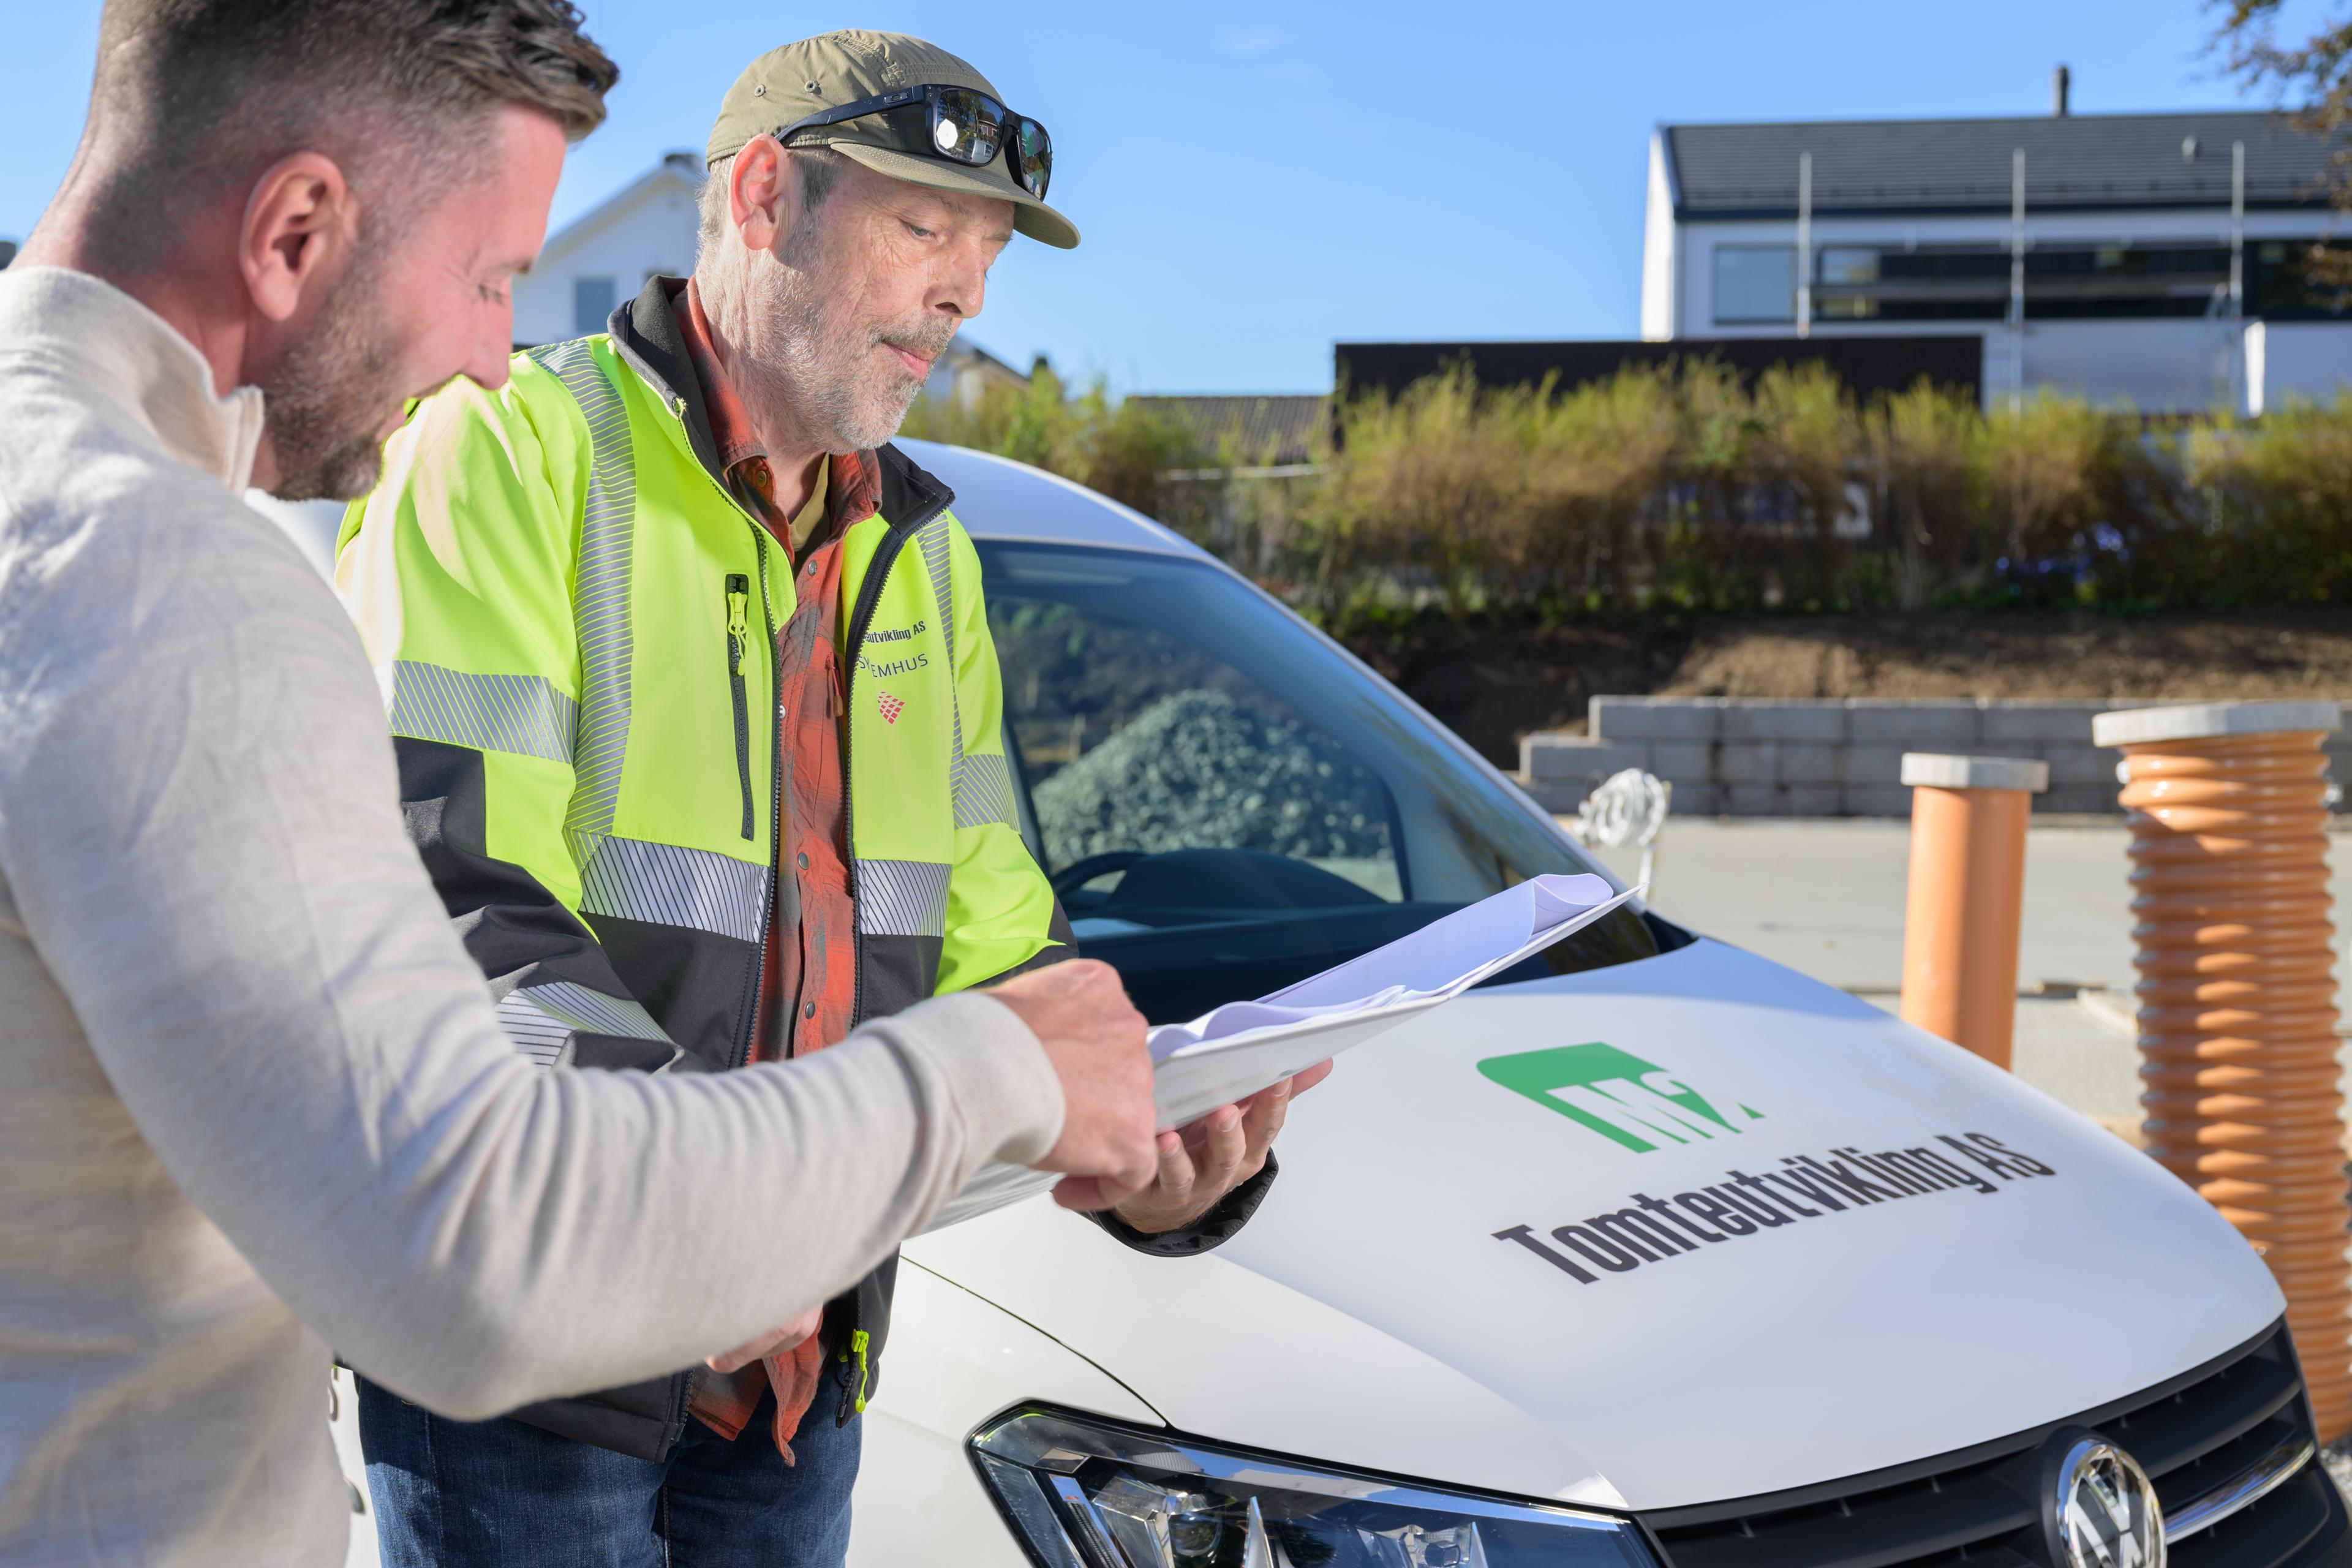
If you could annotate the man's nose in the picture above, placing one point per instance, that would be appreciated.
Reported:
(965, 288)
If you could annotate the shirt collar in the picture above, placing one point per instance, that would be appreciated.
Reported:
(97, 334)
(731, 423)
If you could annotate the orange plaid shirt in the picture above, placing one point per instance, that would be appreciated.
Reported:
(808, 986)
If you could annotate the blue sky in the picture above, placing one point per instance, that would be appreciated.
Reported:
(1256, 181)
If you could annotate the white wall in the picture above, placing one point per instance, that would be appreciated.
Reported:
(650, 231)
(1659, 241)
(2154, 366)
(2286, 360)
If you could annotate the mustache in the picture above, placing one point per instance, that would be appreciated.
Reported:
(928, 340)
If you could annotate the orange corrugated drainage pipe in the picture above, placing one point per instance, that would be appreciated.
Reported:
(2237, 996)
(1966, 896)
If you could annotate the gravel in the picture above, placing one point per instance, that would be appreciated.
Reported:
(1199, 770)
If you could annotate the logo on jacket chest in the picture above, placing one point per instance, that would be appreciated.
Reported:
(883, 668)
(885, 661)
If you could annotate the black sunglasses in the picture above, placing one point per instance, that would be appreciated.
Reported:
(959, 124)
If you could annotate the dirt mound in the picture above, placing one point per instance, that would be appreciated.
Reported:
(1495, 683)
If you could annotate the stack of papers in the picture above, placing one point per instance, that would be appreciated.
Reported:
(1232, 1052)
(1235, 1050)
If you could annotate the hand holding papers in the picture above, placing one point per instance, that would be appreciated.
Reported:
(1239, 1048)
(1233, 1051)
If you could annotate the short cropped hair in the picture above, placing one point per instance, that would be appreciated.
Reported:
(200, 95)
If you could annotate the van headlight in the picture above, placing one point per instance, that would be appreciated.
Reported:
(1085, 1493)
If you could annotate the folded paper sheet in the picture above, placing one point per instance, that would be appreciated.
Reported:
(1241, 1047)
(1235, 1050)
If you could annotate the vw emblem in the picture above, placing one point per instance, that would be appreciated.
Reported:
(2099, 1510)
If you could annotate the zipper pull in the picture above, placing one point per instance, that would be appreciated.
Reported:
(739, 602)
(854, 1398)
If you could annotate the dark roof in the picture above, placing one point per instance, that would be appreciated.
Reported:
(1271, 429)
(2078, 161)
(1866, 365)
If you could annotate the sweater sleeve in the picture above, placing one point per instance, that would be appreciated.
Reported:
(199, 824)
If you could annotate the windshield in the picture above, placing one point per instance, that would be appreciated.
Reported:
(1226, 806)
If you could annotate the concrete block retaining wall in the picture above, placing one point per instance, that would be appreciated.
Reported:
(1734, 756)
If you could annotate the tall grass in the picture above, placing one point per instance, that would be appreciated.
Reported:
(1682, 488)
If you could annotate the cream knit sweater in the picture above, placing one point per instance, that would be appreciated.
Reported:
(253, 1100)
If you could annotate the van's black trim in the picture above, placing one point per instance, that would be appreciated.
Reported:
(1983, 1503)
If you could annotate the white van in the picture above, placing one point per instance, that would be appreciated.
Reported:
(1652, 1255)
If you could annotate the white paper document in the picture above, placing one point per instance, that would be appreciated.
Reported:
(1237, 1049)
(1233, 1051)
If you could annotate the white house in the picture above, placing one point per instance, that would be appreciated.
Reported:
(644, 230)
(2154, 259)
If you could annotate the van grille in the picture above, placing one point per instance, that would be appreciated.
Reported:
(1981, 1506)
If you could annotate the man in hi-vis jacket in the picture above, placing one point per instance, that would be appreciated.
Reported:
(698, 722)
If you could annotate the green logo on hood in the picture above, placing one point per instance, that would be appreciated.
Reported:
(1619, 1096)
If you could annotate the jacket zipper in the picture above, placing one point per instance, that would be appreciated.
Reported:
(742, 1052)
(861, 619)
(775, 778)
(739, 598)
(855, 1356)
(869, 595)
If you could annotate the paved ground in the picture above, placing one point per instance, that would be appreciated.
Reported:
(1827, 898)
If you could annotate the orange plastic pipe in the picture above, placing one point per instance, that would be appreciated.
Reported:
(2237, 1008)
(1966, 899)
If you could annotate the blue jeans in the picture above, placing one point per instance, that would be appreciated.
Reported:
(499, 1494)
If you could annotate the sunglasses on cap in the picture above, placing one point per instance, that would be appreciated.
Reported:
(959, 124)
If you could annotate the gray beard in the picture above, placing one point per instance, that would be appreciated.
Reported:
(328, 393)
(802, 354)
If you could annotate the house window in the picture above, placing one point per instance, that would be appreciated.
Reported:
(1755, 283)
(1846, 288)
(592, 300)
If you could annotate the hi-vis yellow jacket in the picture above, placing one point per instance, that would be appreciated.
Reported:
(545, 580)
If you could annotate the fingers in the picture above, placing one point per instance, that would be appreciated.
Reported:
(1094, 1039)
(1262, 1119)
(1307, 1077)
(1172, 1184)
(1083, 1193)
(1143, 1159)
(1224, 1146)
(1088, 1193)
(770, 1343)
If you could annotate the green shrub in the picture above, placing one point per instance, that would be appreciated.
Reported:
(1682, 488)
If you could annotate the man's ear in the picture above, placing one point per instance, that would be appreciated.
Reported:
(300, 228)
(759, 194)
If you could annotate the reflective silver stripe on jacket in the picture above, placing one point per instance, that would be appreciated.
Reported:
(600, 593)
(521, 714)
(979, 786)
(902, 898)
(542, 1019)
(983, 791)
(668, 884)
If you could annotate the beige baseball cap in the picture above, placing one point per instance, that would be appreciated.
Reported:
(836, 68)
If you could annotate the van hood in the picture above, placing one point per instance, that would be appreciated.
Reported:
(1674, 1232)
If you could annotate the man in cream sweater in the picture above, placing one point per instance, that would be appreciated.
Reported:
(256, 1100)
